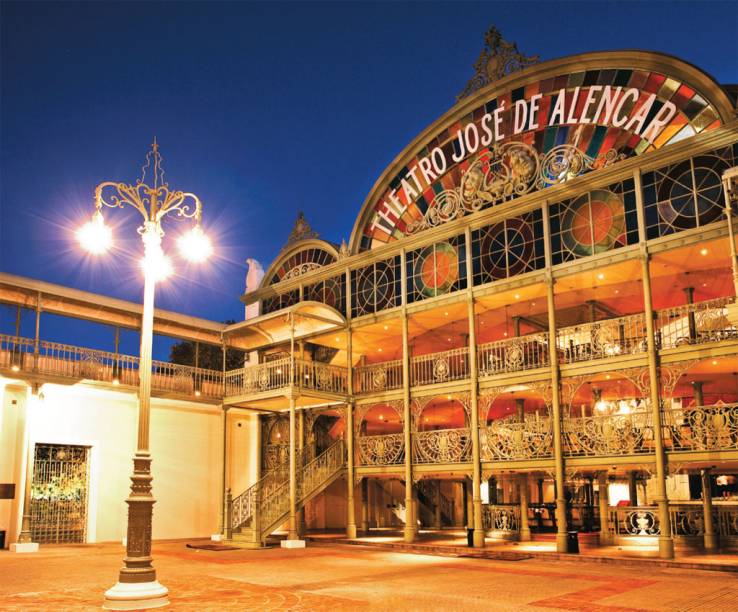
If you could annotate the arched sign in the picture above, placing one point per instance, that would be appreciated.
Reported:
(537, 128)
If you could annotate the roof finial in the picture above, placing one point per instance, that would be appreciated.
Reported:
(497, 59)
(301, 230)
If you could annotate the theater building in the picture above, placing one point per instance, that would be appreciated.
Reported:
(531, 331)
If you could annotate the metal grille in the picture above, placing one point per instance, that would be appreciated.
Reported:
(59, 493)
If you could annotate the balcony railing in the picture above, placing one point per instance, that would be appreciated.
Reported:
(440, 367)
(388, 449)
(442, 446)
(686, 519)
(694, 324)
(513, 355)
(377, 377)
(606, 435)
(64, 360)
(701, 428)
(507, 439)
(601, 339)
(275, 375)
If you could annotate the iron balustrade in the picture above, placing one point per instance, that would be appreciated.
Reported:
(442, 446)
(687, 519)
(387, 449)
(440, 367)
(602, 339)
(508, 439)
(694, 323)
(501, 517)
(320, 376)
(513, 355)
(608, 435)
(700, 428)
(68, 361)
(383, 376)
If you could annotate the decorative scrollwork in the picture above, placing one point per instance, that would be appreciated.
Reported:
(616, 434)
(381, 450)
(497, 59)
(501, 518)
(506, 439)
(443, 446)
(507, 170)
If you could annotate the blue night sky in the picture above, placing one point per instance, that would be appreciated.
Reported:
(262, 109)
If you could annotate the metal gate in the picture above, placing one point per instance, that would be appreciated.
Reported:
(59, 493)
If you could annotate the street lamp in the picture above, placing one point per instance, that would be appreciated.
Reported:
(137, 586)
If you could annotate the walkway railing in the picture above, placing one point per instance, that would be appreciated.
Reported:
(274, 375)
(388, 449)
(501, 517)
(442, 446)
(65, 360)
(321, 376)
(698, 428)
(601, 339)
(686, 519)
(383, 376)
(694, 324)
(440, 367)
(605, 435)
(506, 439)
(513, 355)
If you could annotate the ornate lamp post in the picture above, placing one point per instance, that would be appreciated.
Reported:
(137, 585)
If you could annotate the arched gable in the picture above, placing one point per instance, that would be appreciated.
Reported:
(546, 124)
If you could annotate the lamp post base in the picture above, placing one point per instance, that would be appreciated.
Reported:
(136, 596)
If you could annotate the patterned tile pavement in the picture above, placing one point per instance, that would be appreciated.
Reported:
(329, 576)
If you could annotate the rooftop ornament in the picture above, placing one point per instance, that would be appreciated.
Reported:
(497, 59)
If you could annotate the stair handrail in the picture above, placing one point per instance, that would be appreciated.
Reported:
(244, 505)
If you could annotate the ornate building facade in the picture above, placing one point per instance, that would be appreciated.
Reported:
(532, 329)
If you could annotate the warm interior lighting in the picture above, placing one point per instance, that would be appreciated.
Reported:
(197, 393)
(94, 236)
(195, 245)
(714, 362)
(704, 252)
(381, 417)
(517, 296)
(379, 349)
(15, 368)
(601, 276)
(386, 327)
(445, 314)
(116, 382)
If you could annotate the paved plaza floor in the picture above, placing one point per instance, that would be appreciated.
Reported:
(331, 576)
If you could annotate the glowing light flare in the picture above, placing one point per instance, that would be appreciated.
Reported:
(94, 236)
(157, 263)
(195, 246)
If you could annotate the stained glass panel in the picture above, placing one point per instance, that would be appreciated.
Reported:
(376, 287)
(330, 291)
(436, 269)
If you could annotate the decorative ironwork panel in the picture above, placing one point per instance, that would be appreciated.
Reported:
(508, 248)
(331, 291)
(442, 446)
(686, 194)
(594, 222)
(507, 439)
(699, 428)
(687, 520)
(439, 367)
(378, 377)
(436, 269)
(606, 435)
(388, 449)
(301, 263)
(501, 517)
(513, 355)
(278, 302)
(59, 493)
(695, 323)
(602, 339)
(376, 287)
(635, 521)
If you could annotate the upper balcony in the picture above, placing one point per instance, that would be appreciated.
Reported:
(56, 362)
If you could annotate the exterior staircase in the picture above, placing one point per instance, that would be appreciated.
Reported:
(256, 513)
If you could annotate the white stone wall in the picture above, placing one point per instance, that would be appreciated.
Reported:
(186, 446)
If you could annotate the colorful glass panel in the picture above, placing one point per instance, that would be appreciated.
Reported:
(686, 194)
(594, 222)
(301, 263)
(560, 128)
(376, 287)
(330, 291)
(508, 248)
(436, 269)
